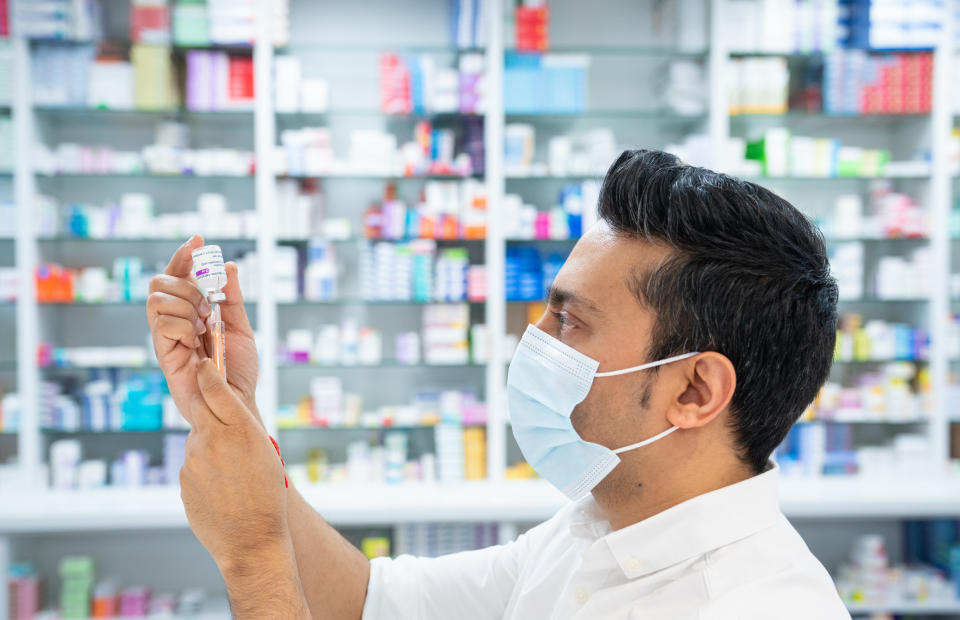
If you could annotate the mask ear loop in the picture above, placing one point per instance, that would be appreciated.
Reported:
(646, 441)
(614, 373)
(675, 358)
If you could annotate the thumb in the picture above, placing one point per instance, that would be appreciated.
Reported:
(219, 396)
(232, 310)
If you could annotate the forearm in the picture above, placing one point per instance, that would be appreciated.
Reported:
(333, 573)
(265, 584)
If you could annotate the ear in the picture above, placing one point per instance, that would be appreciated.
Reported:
(709, 380)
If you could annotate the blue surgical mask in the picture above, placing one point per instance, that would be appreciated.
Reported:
(547, 379)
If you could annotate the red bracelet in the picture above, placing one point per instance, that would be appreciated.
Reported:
(286, 484)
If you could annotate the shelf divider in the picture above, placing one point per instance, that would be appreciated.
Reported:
(265, 185)
(495, 246)
(28, 328)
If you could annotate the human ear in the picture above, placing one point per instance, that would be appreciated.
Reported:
(707, 383)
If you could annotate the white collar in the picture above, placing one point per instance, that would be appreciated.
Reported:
(687, 530)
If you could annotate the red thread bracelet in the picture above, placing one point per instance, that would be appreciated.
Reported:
(276, 447)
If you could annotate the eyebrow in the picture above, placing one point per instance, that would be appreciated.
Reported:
(560, 297)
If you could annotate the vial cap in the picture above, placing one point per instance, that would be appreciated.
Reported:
(216, 296)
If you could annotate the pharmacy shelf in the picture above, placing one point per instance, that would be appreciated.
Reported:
(878, 239)
(111, 431)
(82, 113)
(884, 300)
(523, 501)
(382, 177)
(632, 114)
(99, 367)
(791, 115)
(512, 241)
(139, 240)
(227, 47)
(865, 421)
(850, 302)
(554, 177)
(303, 240)
(917, 176)
(894, 496)
(815, 53)
(386, 364)
(377, 48)
(140, 303)
(389, 427)
(668, 51)
(886, 361)
(913, 608)
(144, 175)
(372, 302)
(501, 499)
(85, 304)
(213, 612)
(341, 504)
(736, 53)
(375, 113)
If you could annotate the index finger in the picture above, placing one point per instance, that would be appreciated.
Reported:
(182, 259)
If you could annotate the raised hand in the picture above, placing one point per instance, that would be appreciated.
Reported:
(176, 313)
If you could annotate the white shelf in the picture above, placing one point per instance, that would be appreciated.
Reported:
(510, 501)
(212, 614)
(937, 608)
(340, 504)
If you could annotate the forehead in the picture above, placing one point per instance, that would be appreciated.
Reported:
(603, 264)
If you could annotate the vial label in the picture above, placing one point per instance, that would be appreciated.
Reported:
(208, 268)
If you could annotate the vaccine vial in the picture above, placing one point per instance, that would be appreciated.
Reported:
(210, 272)
(211, 275)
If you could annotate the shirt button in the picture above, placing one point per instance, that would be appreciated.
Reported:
(633, 564)
(581, 595)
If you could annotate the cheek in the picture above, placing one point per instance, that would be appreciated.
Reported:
(594, 419)
(612, 410)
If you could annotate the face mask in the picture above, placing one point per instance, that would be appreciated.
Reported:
(547, 379)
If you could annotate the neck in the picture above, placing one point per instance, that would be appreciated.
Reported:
(627, 497)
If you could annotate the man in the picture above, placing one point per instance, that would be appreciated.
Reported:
(683, 337)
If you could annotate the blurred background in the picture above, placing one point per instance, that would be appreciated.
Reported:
(399, 183)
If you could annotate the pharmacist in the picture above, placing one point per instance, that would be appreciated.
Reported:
(682, 339)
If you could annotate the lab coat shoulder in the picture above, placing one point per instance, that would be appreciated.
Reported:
(771, 575)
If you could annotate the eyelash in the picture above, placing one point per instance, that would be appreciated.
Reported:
(562, 320)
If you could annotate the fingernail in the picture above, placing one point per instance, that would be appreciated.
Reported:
(196, 342)
(201, 327)
(205, 308)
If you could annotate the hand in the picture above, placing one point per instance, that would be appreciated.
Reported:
(232, 481)
(177, 311)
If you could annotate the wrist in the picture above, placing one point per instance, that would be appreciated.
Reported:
(264, 582)
(253, 557)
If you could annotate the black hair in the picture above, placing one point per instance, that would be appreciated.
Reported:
(748, 277)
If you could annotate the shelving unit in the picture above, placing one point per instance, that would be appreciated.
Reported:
(495, 499)
(264, 134)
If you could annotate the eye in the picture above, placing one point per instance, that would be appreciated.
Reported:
(564, 321)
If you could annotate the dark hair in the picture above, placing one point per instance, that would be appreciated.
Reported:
(748, 277)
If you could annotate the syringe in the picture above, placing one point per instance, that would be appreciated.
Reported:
(218, 342)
